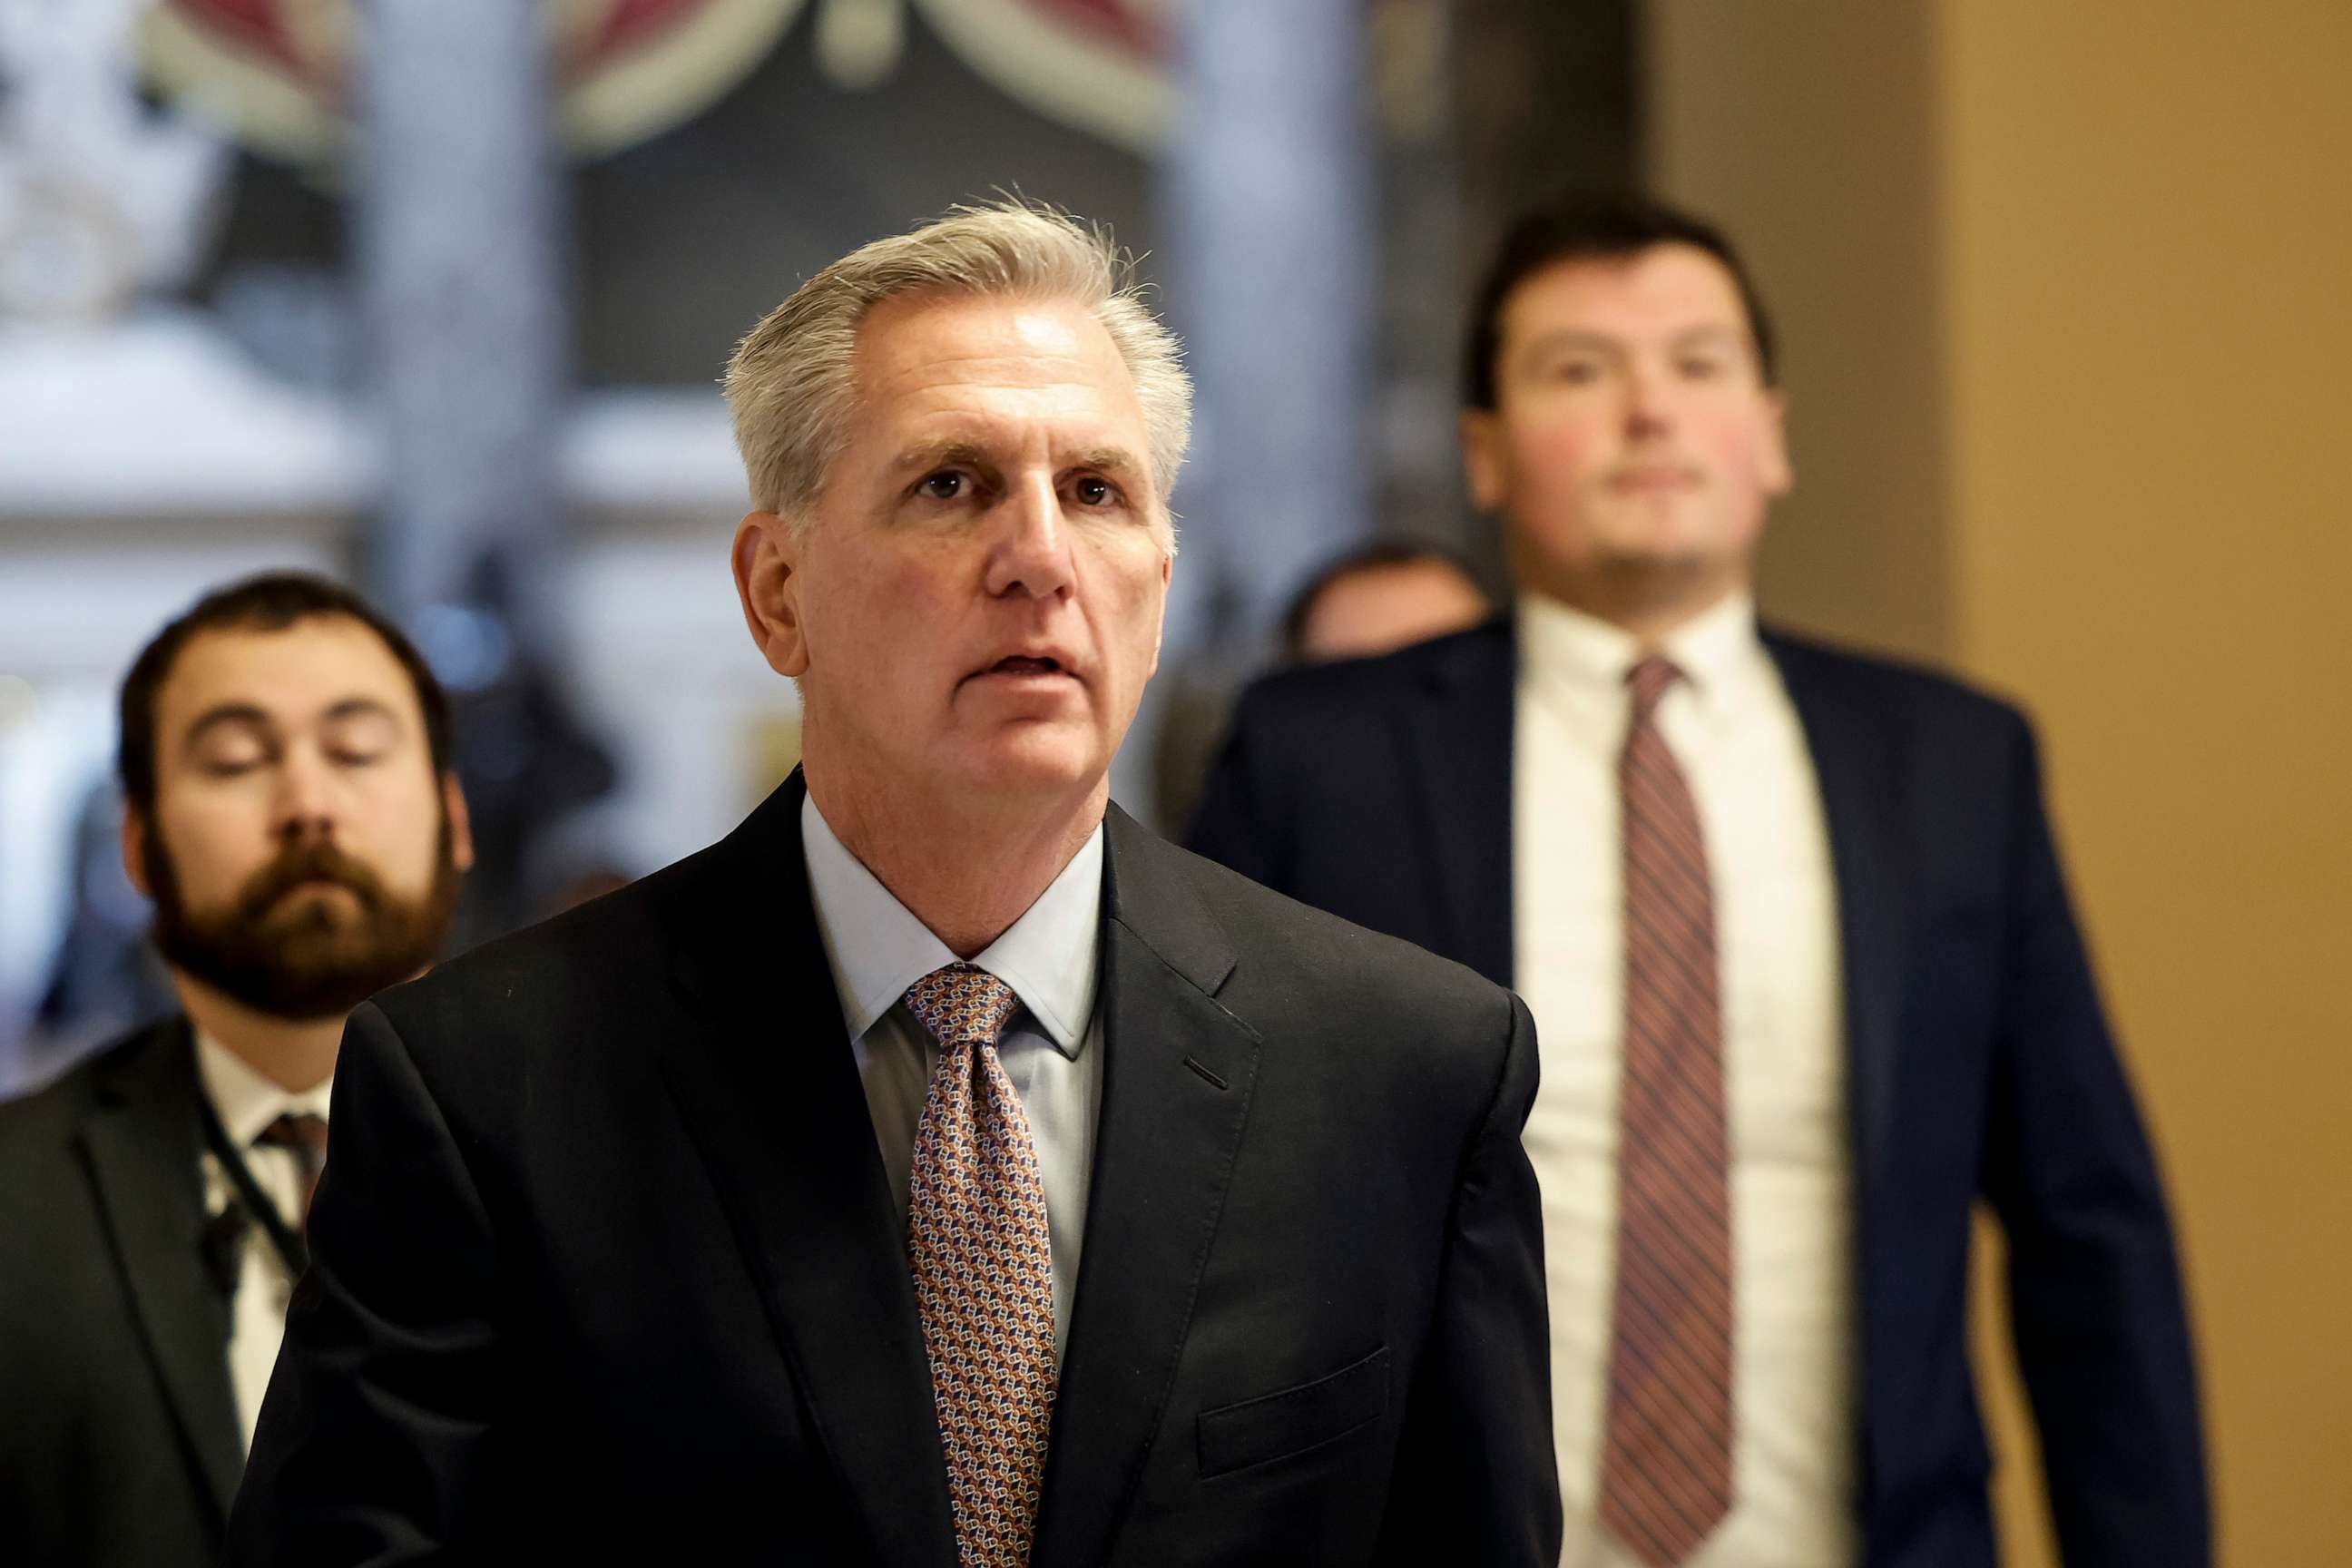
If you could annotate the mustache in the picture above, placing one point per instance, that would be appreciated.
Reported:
(313, 862)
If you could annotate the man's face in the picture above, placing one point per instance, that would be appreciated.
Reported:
(976, 603)
(1633, 446)
(301, 851)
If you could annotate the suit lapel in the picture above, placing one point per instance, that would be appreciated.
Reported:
(143, 1151)
(1860, 785)
(1178, 1074)
(771, 1095)
(1859, 789)
(1455, 730)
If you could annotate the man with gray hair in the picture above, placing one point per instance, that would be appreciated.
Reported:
(941, 1169)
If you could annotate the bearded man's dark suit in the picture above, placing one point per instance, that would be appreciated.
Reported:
(118, 1437)
(1980, 1064)
(605, 1266)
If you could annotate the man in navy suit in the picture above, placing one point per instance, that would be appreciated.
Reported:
(1793, 930)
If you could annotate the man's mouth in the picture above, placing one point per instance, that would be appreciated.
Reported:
(1655, 477)
(311, 889)
(1025, 664)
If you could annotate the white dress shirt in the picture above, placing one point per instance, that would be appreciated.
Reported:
(1736, 737)
(1052, 1049)
(247, 1103)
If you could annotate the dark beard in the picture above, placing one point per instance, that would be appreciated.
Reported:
(311, 960)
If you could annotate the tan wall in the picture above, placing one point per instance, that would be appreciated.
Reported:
(2134, 329)
(1740, 111)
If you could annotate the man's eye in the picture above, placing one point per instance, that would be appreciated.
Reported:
(1701, 369)
(943, 486)
(227, 767)
(1576, 372)
(354, 757)
(1093, 491)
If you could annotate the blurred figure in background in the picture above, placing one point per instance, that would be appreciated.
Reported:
(1792, 926)
(1381, 598)
(288, 807)
(1369, 601)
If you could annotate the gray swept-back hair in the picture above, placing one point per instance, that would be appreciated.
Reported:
(791, 387)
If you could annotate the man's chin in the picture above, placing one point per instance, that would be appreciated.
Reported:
(1040, 760)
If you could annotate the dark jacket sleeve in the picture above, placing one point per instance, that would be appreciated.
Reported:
(375, 1442)
(2095, 1287)
(1475, 1480)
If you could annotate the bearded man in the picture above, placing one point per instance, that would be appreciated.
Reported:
(290, 810)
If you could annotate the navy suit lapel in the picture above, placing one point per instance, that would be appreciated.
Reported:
(1861, 786)
(1860, 789)
(771, 1095)
(1178, 1074)
(1455, 730)
(142, 1149)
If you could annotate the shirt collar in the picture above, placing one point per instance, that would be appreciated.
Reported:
(246, 1102)
(877, 949)
(1566, 646)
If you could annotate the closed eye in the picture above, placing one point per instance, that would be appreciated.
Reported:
(229, 751)
(230, 767)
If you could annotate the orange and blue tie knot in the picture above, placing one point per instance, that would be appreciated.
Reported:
(962, 1003)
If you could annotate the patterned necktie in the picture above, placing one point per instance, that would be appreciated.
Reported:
(304, 1136)
(1666, 1472)
(983, 1265)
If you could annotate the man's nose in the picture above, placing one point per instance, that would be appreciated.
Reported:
(1031, 552)
(1649, 400)
(305, 803)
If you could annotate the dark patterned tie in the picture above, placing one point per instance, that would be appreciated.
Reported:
(304, 1136)
(983, 1260)
(1666, 1472)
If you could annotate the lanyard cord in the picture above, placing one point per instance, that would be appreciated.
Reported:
(282, 1237)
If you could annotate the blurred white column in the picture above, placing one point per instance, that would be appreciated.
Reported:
(458, 256)
(1270, 261)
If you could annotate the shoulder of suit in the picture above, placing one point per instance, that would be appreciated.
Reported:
(566, 957)
(1350, 683)
(1889, 683)
(36, 1124)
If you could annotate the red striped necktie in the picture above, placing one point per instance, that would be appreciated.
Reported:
(1665, 1473)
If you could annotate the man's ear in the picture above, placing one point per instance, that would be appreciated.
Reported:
(135, 850)
(1481, 437)
(461, 823)
(1778, 472)
(1159, 632)
(767, 584)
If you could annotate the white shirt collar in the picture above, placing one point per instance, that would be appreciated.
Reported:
(1714, 649)
(877, 949)
(246, 1102)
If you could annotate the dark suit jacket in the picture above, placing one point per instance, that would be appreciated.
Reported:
(604, 1265)
(1979, 1064)
(119, 1440)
